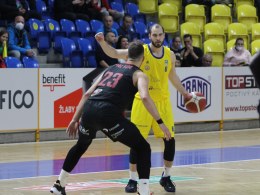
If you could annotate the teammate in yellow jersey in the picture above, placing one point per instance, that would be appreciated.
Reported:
(159, 65)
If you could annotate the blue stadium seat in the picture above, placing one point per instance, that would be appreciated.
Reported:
(145, 40)
(150, 24)
(141, 29)
(28, 5)
(95, 25)
(30, 62)
(41, 8)
(69, 27)
(85, 46)
(92, 59)
(83, 27)
(115, 25)
(133, 10)
(3, 23)
(165, 43)
(12, 62)
(122, 2)
(53, 27)
(39, 37)
(118, 7)
(51, 5)
(71, 56)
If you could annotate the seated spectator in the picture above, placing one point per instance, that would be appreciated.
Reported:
(108, 23)
(176, 43)
(178, 61)
(63, 9)
(18, 40)
(9, 9)
(190, 55)
(124, 30)
(4, 40)
(102, 59)
(103, 7)
(207, 60)
(208, 3)
(84, 7)
(238, 55)
(122, 43)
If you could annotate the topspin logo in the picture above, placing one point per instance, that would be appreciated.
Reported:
(191, 84)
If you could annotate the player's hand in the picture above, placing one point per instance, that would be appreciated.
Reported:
(72, 129)
(167, 134)
(99, 37)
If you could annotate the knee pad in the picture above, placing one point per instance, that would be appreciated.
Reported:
(142, 146)
(83, 146)
(169, 149)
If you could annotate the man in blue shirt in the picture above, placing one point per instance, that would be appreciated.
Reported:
(108, 23)
(124, 30)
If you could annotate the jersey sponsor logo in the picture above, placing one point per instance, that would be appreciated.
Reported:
(111, 129)
(51, 81)
(147, 67)
(97, 91)
(147, 62)
(154, 79)
(240, 82)
(115, 135)
(83, 130)
(195, 83)
(106, 130)
(166, 62)
(153, 88)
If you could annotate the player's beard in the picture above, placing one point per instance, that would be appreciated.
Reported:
(157, 45)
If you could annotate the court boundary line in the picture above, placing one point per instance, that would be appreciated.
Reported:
(98, 139)
(128, 169)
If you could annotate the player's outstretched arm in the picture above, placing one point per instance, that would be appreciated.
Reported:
(110, 51)
(173, 77)
(142, 82)
(73, 126)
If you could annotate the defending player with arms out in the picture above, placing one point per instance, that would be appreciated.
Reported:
(158, 65)
(101, 108)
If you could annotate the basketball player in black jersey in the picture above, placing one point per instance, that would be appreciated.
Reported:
(101, 108)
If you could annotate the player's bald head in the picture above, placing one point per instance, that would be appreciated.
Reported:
(155, 26)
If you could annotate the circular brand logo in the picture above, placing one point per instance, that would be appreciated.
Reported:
(51, 26)
(147, 67)
(35, 26)
(97, 91)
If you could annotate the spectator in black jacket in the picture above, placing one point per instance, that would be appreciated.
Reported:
(9, 9)
(84, 7)
(191, 55)
(63, 9)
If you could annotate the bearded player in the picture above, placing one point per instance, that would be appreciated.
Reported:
(158, 65)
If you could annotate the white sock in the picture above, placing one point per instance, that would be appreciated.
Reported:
(132, 175)
(143, 186)
(63, 177)
(167, 171)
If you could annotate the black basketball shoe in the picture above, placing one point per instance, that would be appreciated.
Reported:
(168, 185)
(131, 186)
(57, 189)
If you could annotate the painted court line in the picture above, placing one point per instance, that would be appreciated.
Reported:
(224, 169)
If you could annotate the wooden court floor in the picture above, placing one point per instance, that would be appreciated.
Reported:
(213, 163)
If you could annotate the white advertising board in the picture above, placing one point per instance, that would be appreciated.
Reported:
(18, 99)
(60, 93)
(240, 93)
(206, 80)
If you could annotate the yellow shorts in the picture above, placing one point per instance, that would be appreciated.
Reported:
(144, 120)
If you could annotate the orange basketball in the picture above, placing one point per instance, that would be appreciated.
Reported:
(195, 102)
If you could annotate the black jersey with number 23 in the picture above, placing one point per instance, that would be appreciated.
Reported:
(116, 86)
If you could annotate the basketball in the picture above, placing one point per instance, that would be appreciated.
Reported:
(195, 102)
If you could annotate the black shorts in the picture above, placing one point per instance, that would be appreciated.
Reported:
(106, 117)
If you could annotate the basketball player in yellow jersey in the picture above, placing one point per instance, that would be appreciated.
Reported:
(159, 65)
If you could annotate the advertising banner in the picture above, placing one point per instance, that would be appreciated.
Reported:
(60, 93)
(240, 93)
(18, 99)
(204, 80)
